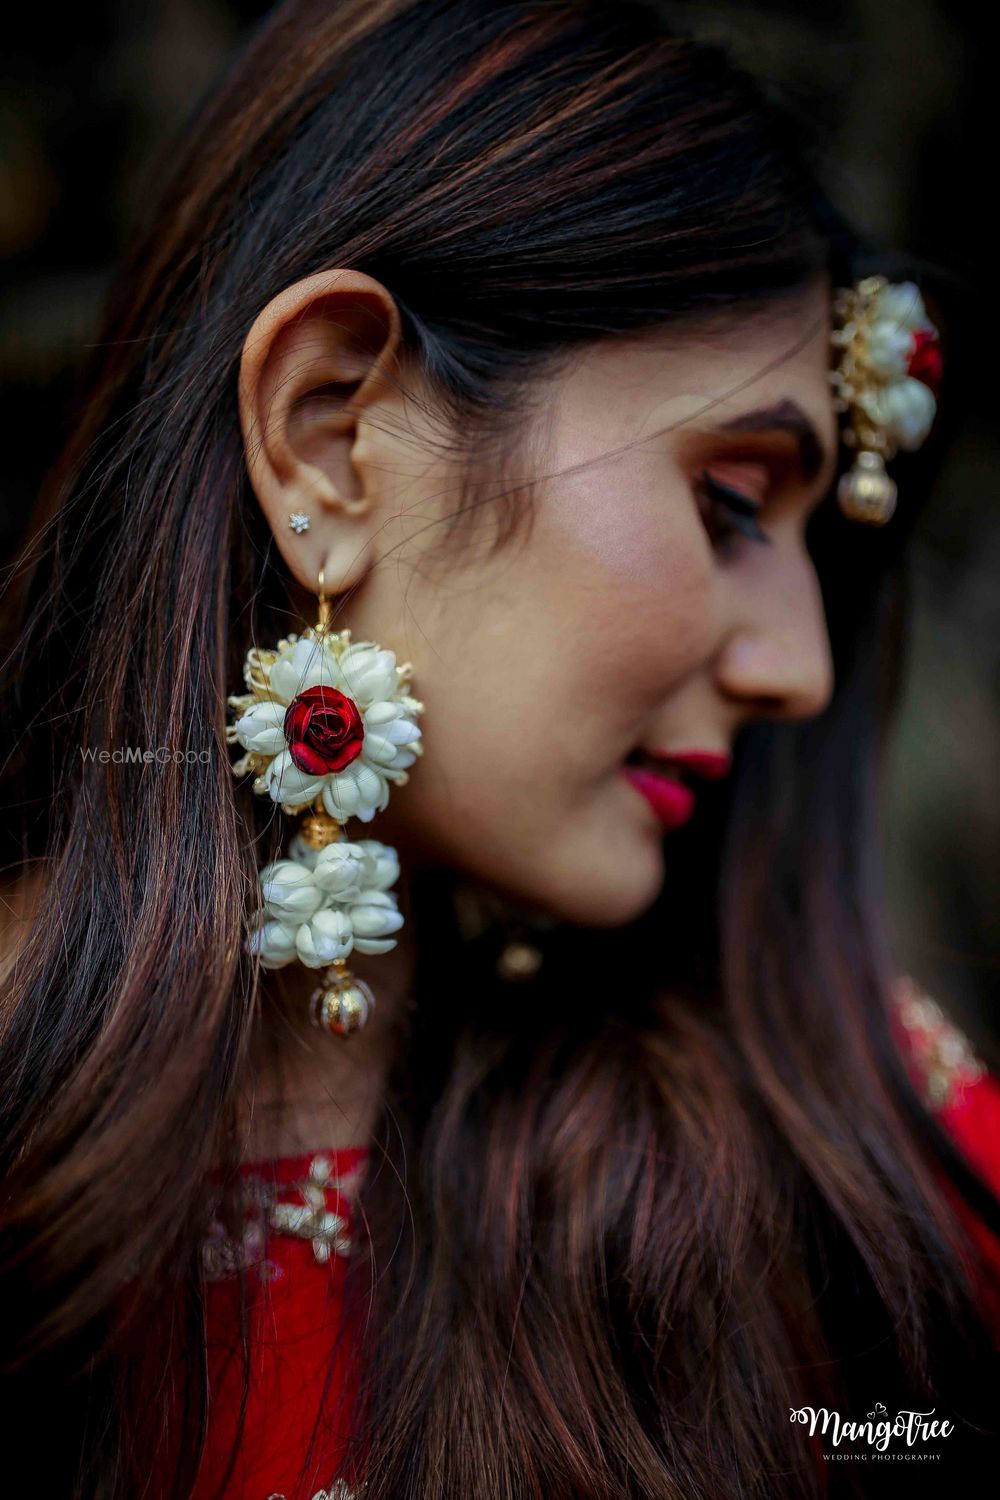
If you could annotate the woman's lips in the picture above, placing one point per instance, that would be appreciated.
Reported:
(672, 801)
(712, 764)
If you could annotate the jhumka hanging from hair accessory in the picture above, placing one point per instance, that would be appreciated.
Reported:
(886, 380)
(327, 725)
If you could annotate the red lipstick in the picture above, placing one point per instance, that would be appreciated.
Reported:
(654, 773)
(672, 802)
(712, 764)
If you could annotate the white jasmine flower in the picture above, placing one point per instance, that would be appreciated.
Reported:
(384, 864)
(341, 869)
(302, 852)
(889, 348)
(326, 936)
(373, 917)
(273, 940)
(905, 408)
(288, 890)
(324, 905)
(901, 305)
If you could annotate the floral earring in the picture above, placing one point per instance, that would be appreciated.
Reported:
(327, 725)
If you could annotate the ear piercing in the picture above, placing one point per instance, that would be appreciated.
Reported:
(298, 521)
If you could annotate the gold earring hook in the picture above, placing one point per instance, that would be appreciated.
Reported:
(323, 622)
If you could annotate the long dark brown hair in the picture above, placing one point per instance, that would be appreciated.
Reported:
(614, 1230)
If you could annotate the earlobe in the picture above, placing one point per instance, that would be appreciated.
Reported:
(314, 364)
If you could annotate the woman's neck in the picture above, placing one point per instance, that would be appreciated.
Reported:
(311, 1090)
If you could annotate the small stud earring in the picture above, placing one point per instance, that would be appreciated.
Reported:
(519, 960)
(298, 521)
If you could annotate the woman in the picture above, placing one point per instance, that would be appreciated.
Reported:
(594, 1140)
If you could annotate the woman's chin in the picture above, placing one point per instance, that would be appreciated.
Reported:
(609, 890)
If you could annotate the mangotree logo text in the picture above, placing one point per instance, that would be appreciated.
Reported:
(913, 1427)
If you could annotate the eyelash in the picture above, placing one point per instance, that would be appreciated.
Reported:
(737, 511)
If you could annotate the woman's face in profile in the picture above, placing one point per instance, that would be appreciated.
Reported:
(623, 618)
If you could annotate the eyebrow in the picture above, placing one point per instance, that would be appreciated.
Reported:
(785, 416)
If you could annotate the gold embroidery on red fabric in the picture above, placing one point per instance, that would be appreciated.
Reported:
(942, 1053)
(338, 1491)
(297, 1210)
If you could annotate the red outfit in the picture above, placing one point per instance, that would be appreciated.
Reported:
(958, 1088)
(298, 1286)
(296, 1277)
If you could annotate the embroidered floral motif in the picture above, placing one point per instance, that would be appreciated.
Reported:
(946, 1063)
(223, 1254)
(338, 1491)
(295, 1209)
(312, 1220)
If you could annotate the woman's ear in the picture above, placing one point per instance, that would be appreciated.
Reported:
(314, 366)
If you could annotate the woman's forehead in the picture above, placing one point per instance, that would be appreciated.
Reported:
(729, 374)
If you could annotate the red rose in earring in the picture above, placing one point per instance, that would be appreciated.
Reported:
(324, 730)
(327, 726)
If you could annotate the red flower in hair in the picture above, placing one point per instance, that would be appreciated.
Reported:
(924, 362)
(324, 730)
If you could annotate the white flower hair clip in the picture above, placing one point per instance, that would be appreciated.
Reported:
(327, 726)
(886, 379)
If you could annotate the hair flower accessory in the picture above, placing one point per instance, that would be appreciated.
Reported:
(886, 380)
(326, 726)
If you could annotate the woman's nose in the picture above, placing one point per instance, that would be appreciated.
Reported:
(777, 659)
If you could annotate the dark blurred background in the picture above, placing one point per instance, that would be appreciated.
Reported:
(899, 95)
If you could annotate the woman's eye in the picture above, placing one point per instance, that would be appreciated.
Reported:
(729, 513)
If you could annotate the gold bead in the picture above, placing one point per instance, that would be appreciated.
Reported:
(518, 961)
(866, 493)
(343, 1004)
(319, 830)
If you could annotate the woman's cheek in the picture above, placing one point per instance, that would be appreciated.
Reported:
(637, 575)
